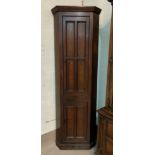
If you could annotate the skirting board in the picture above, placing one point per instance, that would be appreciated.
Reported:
(48, 126)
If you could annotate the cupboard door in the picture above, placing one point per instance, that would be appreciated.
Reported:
(75, 54)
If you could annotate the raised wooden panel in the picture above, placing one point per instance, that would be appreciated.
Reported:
(81, 39)
(70, 38)
(70, 75)
(75, 100)
(82, 115)
(70, 116)
(81, 75)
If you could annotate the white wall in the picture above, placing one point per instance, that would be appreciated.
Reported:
(48, 119)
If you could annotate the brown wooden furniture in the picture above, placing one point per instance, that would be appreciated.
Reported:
(105, 127)
(105, 132)
(76, 53)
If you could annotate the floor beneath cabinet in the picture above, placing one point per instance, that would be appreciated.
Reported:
(48, 147)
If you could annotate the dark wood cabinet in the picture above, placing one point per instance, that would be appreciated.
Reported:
(105, 132)
(76, 55)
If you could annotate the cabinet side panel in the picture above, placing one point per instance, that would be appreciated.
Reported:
(94, 74)
(57, 75)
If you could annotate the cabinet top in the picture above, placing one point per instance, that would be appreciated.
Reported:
(76, 9)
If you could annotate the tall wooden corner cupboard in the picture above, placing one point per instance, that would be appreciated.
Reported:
(76, 55)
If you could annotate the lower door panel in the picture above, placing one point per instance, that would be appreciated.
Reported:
(75, 123)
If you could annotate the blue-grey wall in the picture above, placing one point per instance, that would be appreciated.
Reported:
(104, 35)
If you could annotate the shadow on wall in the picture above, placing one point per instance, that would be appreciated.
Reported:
(104, 36)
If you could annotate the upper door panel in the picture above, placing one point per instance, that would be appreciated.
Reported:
(75, 54)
